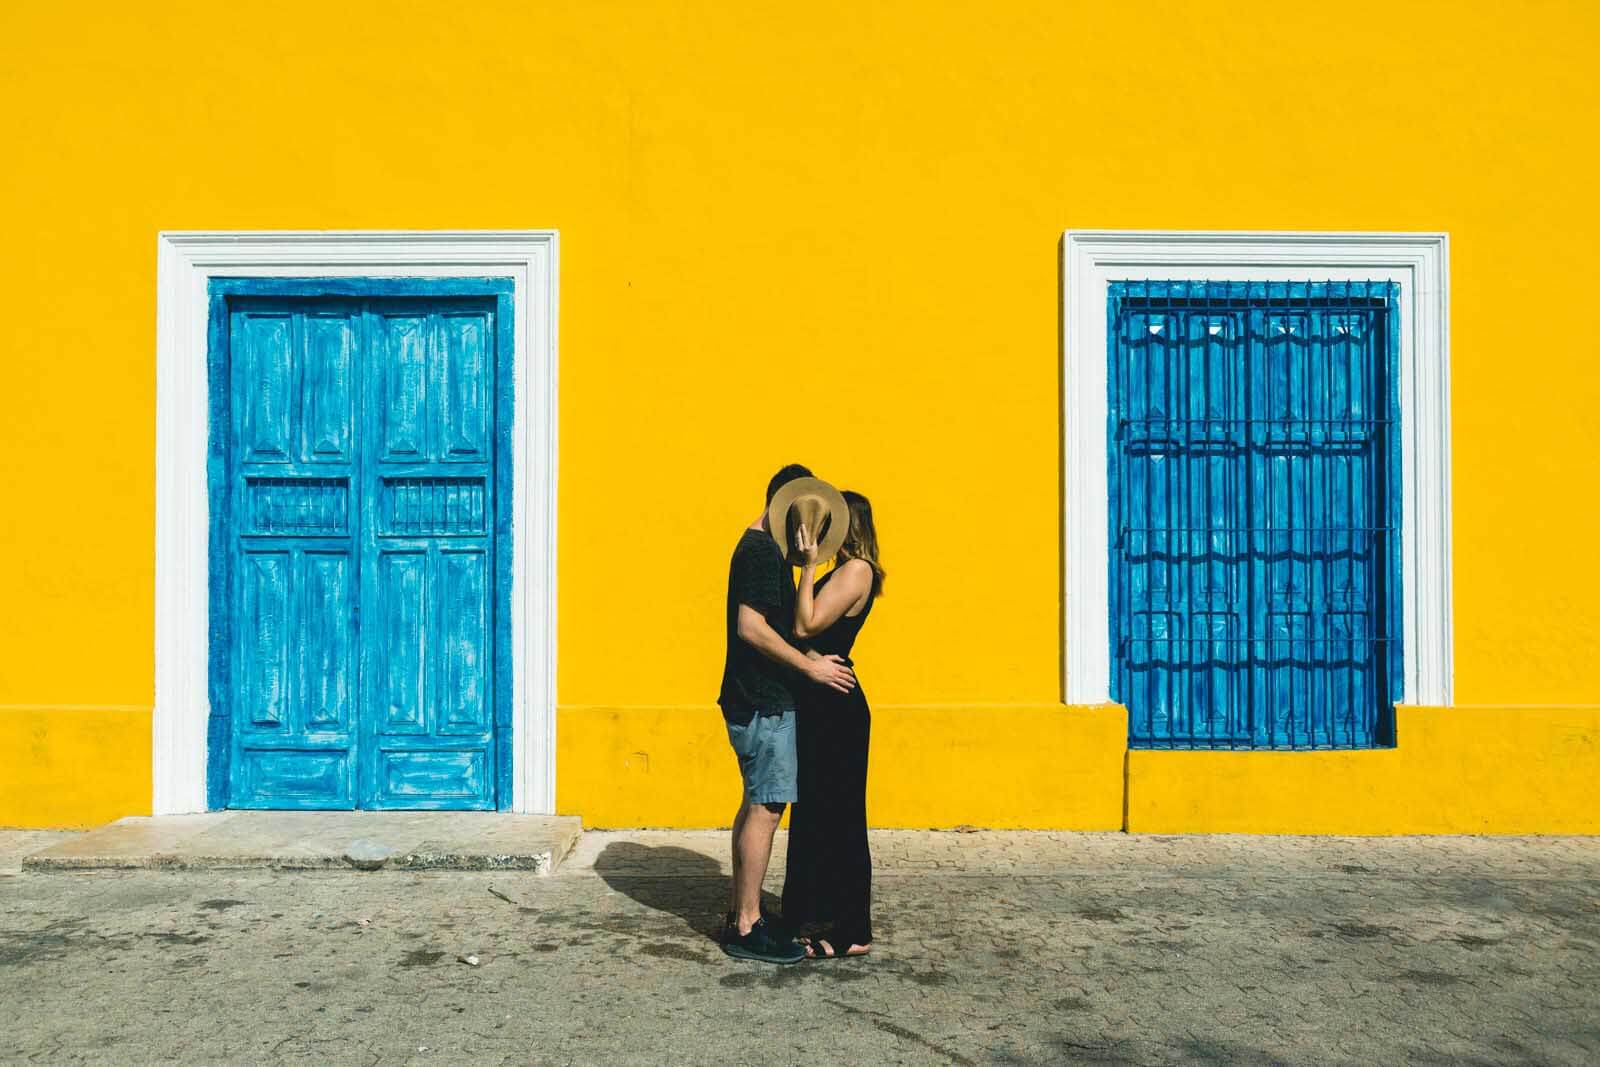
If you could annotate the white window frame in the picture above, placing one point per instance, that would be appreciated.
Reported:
(186, 261)
(1419, 262)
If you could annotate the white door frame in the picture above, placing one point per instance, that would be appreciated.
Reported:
(186, 261)
(1419, 262)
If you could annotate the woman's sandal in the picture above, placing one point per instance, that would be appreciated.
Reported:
(814, 953)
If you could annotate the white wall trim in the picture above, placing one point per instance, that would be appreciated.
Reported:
(1419, 262)
(185, 263)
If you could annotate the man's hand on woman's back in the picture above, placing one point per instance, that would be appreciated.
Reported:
(831, 672)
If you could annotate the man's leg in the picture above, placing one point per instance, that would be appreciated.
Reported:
(752, 848)
(733, 886)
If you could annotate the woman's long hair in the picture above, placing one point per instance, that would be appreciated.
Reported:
(862, 540)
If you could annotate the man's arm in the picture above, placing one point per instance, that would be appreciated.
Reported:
(755, 631)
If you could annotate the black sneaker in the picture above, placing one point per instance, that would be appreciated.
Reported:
(774, 921)
(761, 944)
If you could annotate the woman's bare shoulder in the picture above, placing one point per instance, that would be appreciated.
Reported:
(855, 572)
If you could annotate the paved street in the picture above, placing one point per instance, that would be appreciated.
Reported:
(992, 948)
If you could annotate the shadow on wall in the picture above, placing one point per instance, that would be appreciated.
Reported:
(675, 880)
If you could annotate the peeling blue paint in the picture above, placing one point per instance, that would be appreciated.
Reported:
(360, 471)
(1253, 438)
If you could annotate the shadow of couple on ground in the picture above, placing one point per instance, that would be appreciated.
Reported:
(678, 881)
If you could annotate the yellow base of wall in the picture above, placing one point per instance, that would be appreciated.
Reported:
(1496, 770)
(1006, 766)
(73, 767)
(1461, 770)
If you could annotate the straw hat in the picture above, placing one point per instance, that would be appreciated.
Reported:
(819, 506)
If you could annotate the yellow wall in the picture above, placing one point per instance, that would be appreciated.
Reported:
(1018, 767)
(73, 767)
(864, 198)
(1460, 770)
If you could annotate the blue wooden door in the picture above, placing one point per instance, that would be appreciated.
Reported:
(1254, 512)
(362, 655)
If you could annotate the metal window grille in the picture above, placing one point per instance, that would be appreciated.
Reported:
(1254, 509)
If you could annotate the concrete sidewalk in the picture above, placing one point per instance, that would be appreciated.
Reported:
(990, 948)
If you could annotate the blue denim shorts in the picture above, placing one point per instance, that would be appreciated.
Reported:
(765, 747)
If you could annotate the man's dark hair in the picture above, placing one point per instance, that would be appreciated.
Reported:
(784, 477)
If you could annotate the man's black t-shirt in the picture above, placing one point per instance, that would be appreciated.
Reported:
(751, 683)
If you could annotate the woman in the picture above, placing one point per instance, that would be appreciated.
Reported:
(829, 878)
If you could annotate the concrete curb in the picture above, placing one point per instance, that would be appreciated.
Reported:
(309, 841)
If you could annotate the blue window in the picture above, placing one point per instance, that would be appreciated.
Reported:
(1254, 451)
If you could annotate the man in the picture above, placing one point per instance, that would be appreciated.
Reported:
(758, 706)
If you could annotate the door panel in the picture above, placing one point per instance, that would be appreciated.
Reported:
(266, 631)
(402, 358)
(428, 737)
(400, 652)
(465, 633)
(468, 413)
(438, 778)
(327, 395)
(362, 553)
(286, 777)
(327, 641)
(266, 387)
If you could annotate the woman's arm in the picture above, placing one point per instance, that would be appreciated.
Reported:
(824, 670)
(814, 614)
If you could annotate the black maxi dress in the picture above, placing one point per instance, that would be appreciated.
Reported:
(829, 875)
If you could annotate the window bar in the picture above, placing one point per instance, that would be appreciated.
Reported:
(1136, 398)
(1151, 555)
(1291, 480)
(1359, 365)
(1202, 478)
(1360, 368)
(1269, 678)
(1238, 718)
(1378, 691)
(1122, 650)
(1177, 508)
(1204, 546)
(1354, 349)
(1155, 365)
(1360, 459)
(1216, 569)
(1325, 566)
(1326, 726)
(1360, 359)
(1130, 509)
(1261, 376)
(1356, 390)
(1315, 450)
(1186, 454)
(1114, 420)
(1244, 472)
(1305, 570)
(1357, 368)
(1287, 671)
(1304, 559)
(1177, 359)
(1376, 577)
(1142, 567)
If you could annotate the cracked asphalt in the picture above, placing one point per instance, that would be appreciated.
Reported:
(992, 948)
